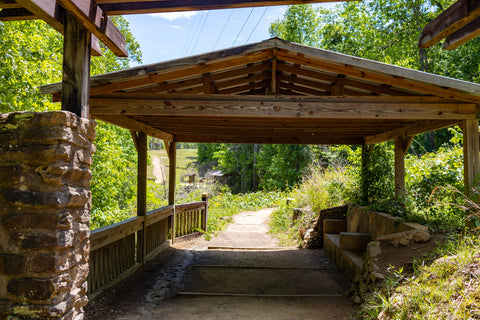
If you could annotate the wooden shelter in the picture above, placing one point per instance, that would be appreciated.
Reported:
(458, 24)
(283, 93)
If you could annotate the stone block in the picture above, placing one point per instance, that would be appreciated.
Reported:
(12, 264)
(38, 221)
(31, 288)
(52, 240)
(42, 263)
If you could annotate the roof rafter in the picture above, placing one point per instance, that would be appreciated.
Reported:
(449, 21)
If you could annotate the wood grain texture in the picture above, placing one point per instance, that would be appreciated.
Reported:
(452, 19)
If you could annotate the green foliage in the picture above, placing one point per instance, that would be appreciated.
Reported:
(225, 204)
(282, 166)
(299, 24)
(31, 55)
(444, 285)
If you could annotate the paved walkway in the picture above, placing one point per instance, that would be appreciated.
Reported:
(244, 274)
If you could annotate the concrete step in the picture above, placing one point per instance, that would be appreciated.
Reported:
(354, 241)
(353, 261)
(349, 261)
(334, 226)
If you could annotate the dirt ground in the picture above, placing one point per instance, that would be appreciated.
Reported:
(241, 274)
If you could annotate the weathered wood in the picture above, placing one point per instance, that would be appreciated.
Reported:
(134, 125)
(188, 71)
(141, 193)
(401, 147)
(95, 20)
(452, 19)
(9, 4)
(410, 130)
(284, 106)
(224, 138)
(471, 161)
(104, 236)
(119, 7)
(76, 68)
(356, 72)
(158, 215)
(172, 166)
(16, 14)
(192, 206)
(204, 213)
(463, 35)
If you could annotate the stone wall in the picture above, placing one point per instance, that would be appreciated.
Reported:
(45, 202)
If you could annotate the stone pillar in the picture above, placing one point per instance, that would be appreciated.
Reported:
(45, 203)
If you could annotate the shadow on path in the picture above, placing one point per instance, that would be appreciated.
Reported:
(241, 274)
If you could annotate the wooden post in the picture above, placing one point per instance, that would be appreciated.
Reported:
(141, 193)
(401, 147)
(172, 165)
(76, 67)
(205, 215)
(365, 154)
(471, 165)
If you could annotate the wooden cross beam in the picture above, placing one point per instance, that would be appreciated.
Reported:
(334, 107)
(453, 19)
(92, 17)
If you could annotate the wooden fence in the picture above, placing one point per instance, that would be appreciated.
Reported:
(116, 250)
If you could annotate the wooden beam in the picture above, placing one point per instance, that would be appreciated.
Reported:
(95, 20)
(410, 130)
(284, 106)
(134, 125)
(50, 12)
(401, 147)
(463, 35)
(16, 14)
(9, 4)
(338, 87)
(141, 193)
(188, 71)
(172, 165)
(119, 7)
(300, 139)
(471, 161)
(452, 19)
(134, 138)
(355, 72)
(76, 68)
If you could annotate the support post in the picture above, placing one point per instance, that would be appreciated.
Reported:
(172, 165)
(401, 147)
(365, 155)
(471, 163)
(205, 215)
(76, 67)
(141, 193)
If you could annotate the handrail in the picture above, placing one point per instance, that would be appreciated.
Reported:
(104, 236)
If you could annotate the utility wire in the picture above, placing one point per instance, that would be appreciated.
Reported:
(200, 32)
(223, 29)
(191, 36)
(263, 14)
(243, 26)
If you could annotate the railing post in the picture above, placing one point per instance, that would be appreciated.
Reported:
(141, 193)
(205, 212)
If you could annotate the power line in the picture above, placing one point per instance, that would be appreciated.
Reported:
(223, 29)
(200, 32)
(243, 26)
(190, 35)
(263, 14)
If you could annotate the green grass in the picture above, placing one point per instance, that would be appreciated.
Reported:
(444, 285)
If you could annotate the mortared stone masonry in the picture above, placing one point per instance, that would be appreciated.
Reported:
(45, 203)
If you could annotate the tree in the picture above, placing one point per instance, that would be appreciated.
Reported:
(31, 55)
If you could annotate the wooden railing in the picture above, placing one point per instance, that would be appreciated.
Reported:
(190, 219)
(118, 250)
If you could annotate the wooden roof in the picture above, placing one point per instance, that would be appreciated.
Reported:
(21, 9)
(278, 92)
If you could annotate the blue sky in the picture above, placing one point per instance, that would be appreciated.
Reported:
(169, 36)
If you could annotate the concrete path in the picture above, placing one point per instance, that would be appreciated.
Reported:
(242, 274)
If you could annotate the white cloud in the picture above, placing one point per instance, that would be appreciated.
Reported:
(175, 15)
(174, 26)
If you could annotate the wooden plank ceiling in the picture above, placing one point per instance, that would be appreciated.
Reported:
(278, 92)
